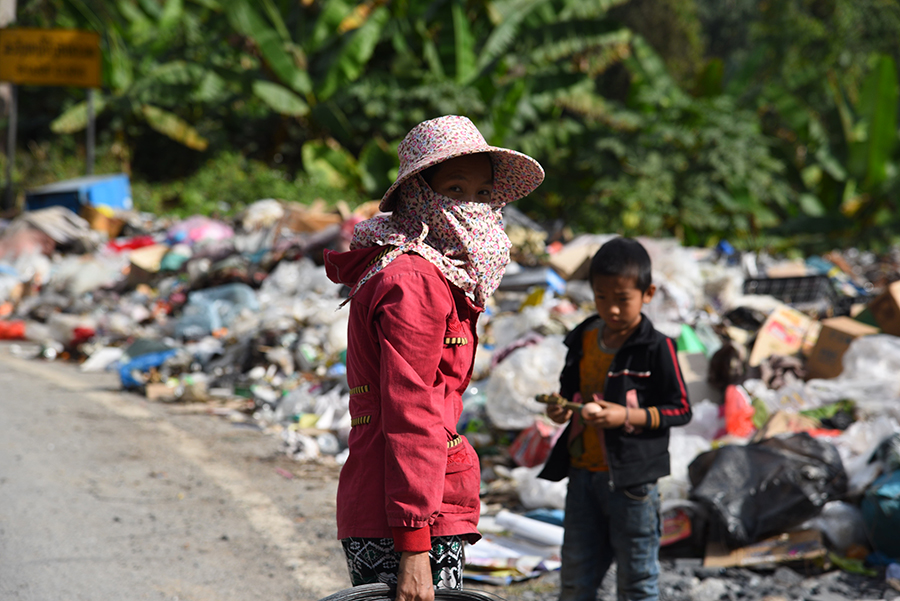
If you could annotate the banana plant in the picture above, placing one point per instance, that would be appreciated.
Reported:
(145, 74)
(520, 68)
(850, 181)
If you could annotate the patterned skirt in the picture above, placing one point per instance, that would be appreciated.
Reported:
(372, 560)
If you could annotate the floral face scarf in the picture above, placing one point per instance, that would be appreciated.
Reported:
(465, 240)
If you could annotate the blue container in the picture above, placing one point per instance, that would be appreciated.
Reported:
(113, 191)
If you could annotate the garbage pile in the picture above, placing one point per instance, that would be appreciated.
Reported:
(793, 366)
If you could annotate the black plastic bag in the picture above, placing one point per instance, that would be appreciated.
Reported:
(757, 490)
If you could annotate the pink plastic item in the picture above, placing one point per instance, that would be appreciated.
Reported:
(738, 412)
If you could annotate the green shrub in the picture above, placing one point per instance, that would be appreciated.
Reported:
(224, 185)
(229, 182)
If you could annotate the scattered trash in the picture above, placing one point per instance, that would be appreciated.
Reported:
(792, 366)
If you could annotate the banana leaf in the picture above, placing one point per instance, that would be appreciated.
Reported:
(330, 163)
(280, 99)
(879, 109)
(76, 118)
(357, 49)
(464, 45)
(248, 22)
(174, 127)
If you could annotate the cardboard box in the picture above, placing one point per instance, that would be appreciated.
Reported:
(102, 222)
(781, 334)
(573, 263)
(837, 333)
(886, 309)
(792, 546)
(810, 338)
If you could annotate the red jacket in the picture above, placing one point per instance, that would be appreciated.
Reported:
(412, 341)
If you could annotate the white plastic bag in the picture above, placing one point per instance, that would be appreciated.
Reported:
(525, 373)
(705, 421)
(537, 493)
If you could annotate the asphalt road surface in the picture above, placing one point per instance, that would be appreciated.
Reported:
(105, 496)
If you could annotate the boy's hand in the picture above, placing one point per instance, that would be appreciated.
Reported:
(558, 409)
(604, 414)
(558, 414)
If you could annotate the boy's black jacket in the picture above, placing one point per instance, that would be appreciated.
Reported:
(648, 364)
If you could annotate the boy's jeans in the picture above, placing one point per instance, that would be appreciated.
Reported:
(603, 525)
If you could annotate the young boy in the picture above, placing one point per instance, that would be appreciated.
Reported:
(616, 448)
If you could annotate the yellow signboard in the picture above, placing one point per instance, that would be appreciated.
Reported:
(50, 57)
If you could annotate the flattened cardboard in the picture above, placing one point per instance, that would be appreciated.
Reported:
(695, 369)
(781, 334)
(826, 359)
(573, 262)
(782, 548)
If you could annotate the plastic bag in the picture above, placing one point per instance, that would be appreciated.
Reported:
(768, 487)
(212, 309)
(514, 383)
(506, 328)
(873, 357)
(199, 229)
(532, 446)
(842, 525)
(535, 493)
(706, 421)
(880, 508)
(738, 412)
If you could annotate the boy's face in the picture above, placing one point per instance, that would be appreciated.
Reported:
(619, 301)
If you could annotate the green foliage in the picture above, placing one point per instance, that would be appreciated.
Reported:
(671, 164)
(766, 123)
(227, 184)
(823, 75)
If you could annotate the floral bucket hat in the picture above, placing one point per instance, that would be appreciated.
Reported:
(431, 142)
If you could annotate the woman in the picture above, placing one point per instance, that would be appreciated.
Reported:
(408, 496)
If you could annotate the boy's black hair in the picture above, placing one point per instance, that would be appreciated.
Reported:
(624, 257)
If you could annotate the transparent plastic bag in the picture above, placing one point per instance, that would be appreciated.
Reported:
(842, 525)
(706, 421)
(524, 374)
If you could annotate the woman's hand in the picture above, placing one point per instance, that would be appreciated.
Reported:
(414, 580)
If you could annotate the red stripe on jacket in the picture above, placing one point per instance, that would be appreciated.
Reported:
(684, 402)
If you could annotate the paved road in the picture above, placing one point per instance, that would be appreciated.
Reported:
(106, 496)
